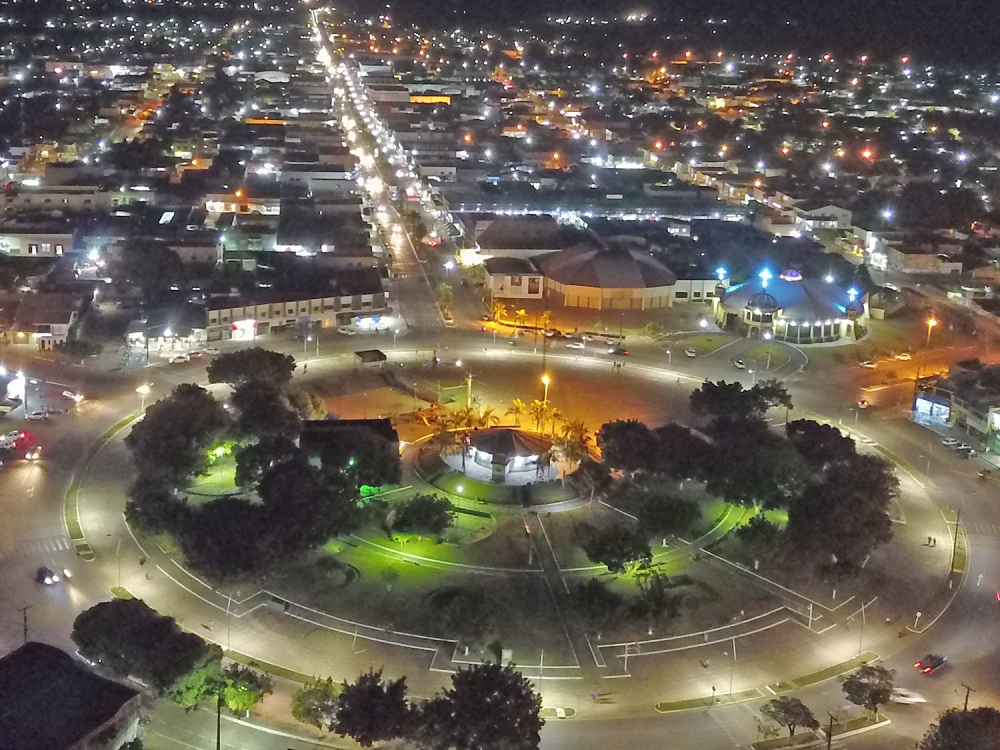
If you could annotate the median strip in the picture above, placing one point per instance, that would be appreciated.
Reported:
(739, 696)
(823, 674)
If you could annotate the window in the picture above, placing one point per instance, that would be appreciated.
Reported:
(32, 249)
(534, 285)
(681, 295)
(59, 249)
(515, 281)
(87, 201)
(696, 295)
(46, 248)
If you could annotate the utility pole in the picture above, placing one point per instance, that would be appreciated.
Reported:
(218, 719)
(24, 616)
(967, 691)
(829, 734)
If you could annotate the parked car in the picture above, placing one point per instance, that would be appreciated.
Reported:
(906, 697)
(904, 356)
(969, 453)
(690, 353)
(40, 414)
(739, 364)
(962, 447)
(950, 442)
(346, 331)
(211, 351)
(178, 359)
(930, 663)
(867, 364)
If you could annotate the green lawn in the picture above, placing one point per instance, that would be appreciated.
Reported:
(760, 353)
(461, 487)
(220, 479)
(703, 343)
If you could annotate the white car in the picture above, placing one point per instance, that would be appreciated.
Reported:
(178, 359)
(867, 364)
(576, 345)
(36, 415)
(690, 353)
(12, 436)
(74, 397)
(34, 454)
(211, 351)
(739, 364)
(907, 697)
(347, 331)
(904, 356)
(950, 442)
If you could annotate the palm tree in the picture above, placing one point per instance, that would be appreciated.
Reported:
(556, 417)
(516, 409)
(545, 320)
(520, 316)
(574, 441)
(538, 410)
(499, 311)
(488, 418)
(466, 417)
(449, 443)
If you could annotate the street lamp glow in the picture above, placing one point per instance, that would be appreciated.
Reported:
(142, 390)
(703, 323)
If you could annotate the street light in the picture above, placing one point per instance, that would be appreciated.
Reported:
(931, 323)
(670, 357)
(143, 391)
(545, 381)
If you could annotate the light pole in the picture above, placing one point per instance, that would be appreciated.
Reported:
(395, 332)
(767, 337)
(143, 391)
(545, 381)
(306, 341)
(931, 324)
(670, 357)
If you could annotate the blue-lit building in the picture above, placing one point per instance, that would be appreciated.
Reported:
(791, 308)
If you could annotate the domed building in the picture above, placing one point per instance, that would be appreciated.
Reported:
(791, 308)
(614, 275)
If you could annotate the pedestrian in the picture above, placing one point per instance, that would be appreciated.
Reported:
(887, 621)
(593, 696)
(305, 369)
(928, 541)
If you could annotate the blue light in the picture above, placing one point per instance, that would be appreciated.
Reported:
(721, 272)
(852, 293)
(765, 276)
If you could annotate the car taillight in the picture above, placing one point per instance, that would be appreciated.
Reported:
(927, 670)
(917, 665)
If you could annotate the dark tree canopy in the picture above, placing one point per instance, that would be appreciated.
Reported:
(595, 602)
(660, 512)
(263, 410)
(169, 444)
(789, 712)
(371, 709)
(627, 445)
(230, 537)
(254, 364)
(753, 466)
(819, 444)
(254, 459)
(845, 513)
(618, 547)
(870, 687)
(976, 729)
(681, 453)
(364, 457)
(488, 706)
(129, 638)
(465, 613)
(423, 514)
(724, 401)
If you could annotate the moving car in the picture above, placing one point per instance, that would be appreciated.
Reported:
(961, 447)
(739, 364)
(34, 453)
(930, 663)
(863, 404)
(576, 345)
(39, 414)
(690, 353)
(48, 576)
(904, 356)
(906, 697)
(867, 364)
(950, 442)
(74, 397)
(12, 436)
(179, 359)
(618, 351)
(346, 331)
(211, 351)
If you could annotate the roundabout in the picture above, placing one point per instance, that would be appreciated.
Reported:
(740, 631)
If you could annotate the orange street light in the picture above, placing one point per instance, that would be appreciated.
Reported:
(545, 381)
(931, 323)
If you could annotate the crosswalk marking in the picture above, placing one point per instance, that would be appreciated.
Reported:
(36, 547)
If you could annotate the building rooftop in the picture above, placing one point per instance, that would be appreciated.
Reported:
(50, 702)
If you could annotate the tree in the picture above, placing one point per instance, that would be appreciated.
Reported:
(316, 702)
(423, 514)
(254, 459)
(445, 296)
(465, 613)
(262, 409)
(789, 712)
(363, 456)
(627, 445)
(819, 444)
(488, 417)
(370, 710)
(845, 512)
(488, 706)
(244, 688)
(618, 548)
(516, 409)
(168, 446)
(724, 402)
(307, 405)
(662, 513)
(230, 537)
(499, 311)
(130, 639)
(870, 687)
(254, 364)
(539, 412)
(574, 441)
(680, 452)
(200, 683)
(978, 729)
(595, 602)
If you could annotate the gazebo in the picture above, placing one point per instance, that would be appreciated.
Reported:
(505, 450)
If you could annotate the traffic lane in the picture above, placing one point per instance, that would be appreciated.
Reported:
(706, 729)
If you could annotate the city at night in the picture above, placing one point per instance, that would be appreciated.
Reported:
(428, 375)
